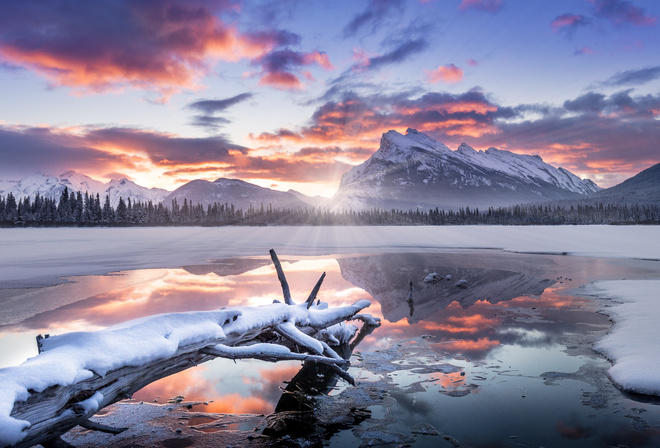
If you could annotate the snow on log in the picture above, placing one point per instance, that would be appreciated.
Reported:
(77, 374)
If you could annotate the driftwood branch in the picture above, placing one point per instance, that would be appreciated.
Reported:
(38, 411)
(315, 291)
(259, 351)
(95, 426)
(286, 292)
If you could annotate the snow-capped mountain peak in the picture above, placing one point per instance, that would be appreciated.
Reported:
(414, 170)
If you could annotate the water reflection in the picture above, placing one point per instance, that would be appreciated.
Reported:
(390, 279)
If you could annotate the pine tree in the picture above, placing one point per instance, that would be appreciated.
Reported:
(122, 211)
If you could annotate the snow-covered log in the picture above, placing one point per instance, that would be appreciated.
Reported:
(77, 374)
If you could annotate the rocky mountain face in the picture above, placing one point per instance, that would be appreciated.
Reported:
(415, 171)
(233, 191)
(52, 186)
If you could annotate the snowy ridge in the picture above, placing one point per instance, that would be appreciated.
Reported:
(50, 186)
(125, 188)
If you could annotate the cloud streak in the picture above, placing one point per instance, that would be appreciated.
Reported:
(375, 12)
(210, 107)
(635, 77)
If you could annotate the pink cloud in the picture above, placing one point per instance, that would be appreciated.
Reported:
(568, 22)
(101, 46)
(281, 68)
(318, 58)
(281, 80)
(445, 73)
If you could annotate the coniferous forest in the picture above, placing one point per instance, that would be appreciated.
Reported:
(77, 209)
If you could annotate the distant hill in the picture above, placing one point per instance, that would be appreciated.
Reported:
(414, 171)
(314, 201)
(643, 188)
(233, 191)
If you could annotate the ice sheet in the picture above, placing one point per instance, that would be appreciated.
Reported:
(37, 256)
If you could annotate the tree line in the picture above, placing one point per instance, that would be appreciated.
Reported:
(77, 209)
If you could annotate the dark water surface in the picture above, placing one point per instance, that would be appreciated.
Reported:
(504, 360)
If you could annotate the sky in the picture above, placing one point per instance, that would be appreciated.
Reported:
(292, 94)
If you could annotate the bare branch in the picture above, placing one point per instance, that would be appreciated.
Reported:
(315, 291)
(292, 333)
(266, 352)
(282, 278)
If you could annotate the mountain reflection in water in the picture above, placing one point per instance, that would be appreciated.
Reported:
(387, 278)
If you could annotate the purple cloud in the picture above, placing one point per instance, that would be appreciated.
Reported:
(372, 16)
(209, 107)
(568, 23)
(491, 6)
(622, 11)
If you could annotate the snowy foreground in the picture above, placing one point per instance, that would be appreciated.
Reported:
(632, 345)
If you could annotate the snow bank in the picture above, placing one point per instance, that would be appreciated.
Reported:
(33, 257)
(632, 344)
(73, 357)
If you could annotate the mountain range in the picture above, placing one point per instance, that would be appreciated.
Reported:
(410, 171)
(52, 186)
(414, 171)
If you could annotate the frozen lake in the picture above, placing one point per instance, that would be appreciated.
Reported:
(506, 360)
